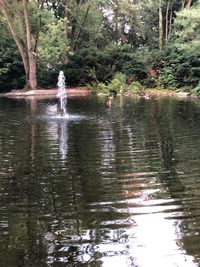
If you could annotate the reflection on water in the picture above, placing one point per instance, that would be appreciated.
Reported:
(102, 187)
(63, 140)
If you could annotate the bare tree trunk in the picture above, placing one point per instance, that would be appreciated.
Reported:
(18, 41)
(116, 21)
(22, 38)
(31, 55)
(66, 33)
(66, 18)
(167, 23)
(189, 3)
(36, 39)
(186, 3)
(183, 3)
(160, 26)
(170, 20)
(19, 18)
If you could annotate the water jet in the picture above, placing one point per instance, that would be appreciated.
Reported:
(62, 96)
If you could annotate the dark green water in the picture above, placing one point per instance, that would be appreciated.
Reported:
(115, 186)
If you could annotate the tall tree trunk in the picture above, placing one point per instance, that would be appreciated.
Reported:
(66, 18)
(39, 20)
(160, 26)
(183, 3)
(168, 20)
(116, 21)
(22, 38)
(189, 3)
(18, 41)
(32, 78)
(186, 3)
(66, 33)
(19, 16)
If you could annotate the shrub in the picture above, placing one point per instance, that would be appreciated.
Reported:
(196, 90)
(135, 87)
(167, 78)
(89, 65)
(118, 83)
(99, 88)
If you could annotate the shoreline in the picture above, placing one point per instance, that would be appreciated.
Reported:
(46, 93)
(150, 93)
(81, 91)
(169, 93)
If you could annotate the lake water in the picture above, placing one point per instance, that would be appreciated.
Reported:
(106, 187)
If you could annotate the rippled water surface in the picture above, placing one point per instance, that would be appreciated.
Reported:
(115, 186)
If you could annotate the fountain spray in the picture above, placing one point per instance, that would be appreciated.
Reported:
(62, 93)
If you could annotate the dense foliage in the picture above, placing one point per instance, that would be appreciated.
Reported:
(95, 40)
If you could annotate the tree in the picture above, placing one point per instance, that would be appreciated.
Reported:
(186, 29)
(83, 21)
(160, 25)
(168, 20)
(53, 46)
(167, 14)
(10, 61)
(186, 3)
(17, 17)
(181, 59)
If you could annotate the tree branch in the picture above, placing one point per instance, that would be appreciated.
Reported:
(15, 35)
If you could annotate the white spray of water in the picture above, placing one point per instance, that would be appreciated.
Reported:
(62, 96)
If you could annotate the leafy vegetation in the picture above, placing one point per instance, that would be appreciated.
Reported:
(113, 45)
(117, 85)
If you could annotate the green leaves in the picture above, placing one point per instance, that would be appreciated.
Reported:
(187, 29)
(53, 46)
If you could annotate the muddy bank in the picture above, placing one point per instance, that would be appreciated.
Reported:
(85, 91)
(46, 93)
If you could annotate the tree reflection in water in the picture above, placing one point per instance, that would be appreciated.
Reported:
(118, 190)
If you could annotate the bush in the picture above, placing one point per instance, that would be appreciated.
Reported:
(167, 78)
(196, 90)
(99, 88)
(13, 78)
(89, 65)
(180, 69)
(118, 83)
(47, 77)
(135, 87)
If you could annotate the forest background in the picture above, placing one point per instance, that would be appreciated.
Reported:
(154, 43)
